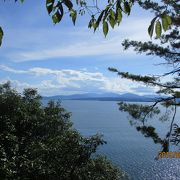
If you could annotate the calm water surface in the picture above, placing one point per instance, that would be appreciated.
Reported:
(126, 147)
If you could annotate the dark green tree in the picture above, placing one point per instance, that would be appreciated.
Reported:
(39, 142)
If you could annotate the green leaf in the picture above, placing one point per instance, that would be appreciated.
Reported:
(1, 35)
(105, 28)
(57, 17)
(119, 16)
(165, 23)
(112, 21)
(49, 8)
(49, 1)
(100, 18)
(61, 8)
(158, 29)
(94, 24)
(90, 24)
(73, 15)
(169, 20)
(68, 3)
(118, 5)
(106, 13)
(49, 5)
(127, 8)
(112, 14)
(151, 27)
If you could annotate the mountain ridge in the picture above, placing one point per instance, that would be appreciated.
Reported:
(104, 97)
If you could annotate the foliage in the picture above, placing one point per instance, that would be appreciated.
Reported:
(166, 17)
(109, 13)
(39, 142)
(168, 50)
(142, 114)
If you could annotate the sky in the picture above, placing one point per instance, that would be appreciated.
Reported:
(65, 59)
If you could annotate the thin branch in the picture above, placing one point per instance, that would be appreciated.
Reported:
(172, 122)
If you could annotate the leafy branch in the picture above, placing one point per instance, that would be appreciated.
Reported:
(108, 16)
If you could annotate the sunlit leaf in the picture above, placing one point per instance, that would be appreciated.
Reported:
(165, 23)
(73, 15)
(56, 17)
(112, 21)
(105, 28)
(119, 16)
(158, 29)
(112, 14)
(169, 20)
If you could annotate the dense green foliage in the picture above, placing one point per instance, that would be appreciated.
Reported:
(39, 142)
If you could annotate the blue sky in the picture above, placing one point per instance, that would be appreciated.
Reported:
(67, 59)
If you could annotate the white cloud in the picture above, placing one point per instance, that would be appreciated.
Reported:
(8, 69)
(50, 43)
(89, 48)
(68, 81)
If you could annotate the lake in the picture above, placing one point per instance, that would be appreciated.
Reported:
(126, 147)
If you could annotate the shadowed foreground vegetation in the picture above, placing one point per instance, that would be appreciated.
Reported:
(39, 142)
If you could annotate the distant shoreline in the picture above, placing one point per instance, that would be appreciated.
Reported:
(129, 97)
(106, 100)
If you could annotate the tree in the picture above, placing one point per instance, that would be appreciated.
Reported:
(166, 18)
(38, 142)
(168, 50)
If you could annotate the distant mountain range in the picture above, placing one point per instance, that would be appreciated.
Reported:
(105, 97)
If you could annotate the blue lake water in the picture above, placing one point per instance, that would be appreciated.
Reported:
(126, 147)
